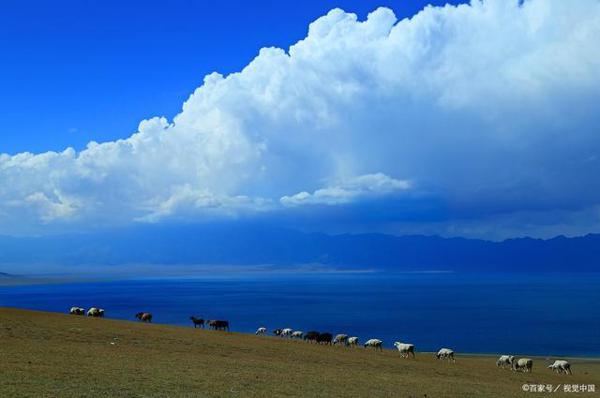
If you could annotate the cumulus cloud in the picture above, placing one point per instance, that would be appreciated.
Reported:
(490, 108)
(367, 186)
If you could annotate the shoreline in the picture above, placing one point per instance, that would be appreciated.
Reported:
(211, 272)
(546, 357)
(206, 272)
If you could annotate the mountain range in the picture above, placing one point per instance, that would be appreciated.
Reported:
(252, 245)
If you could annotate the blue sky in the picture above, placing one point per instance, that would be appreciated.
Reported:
(75, 71)
(475, 120)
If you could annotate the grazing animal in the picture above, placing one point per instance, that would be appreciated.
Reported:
(445, 353)
(405, 349)
(561, 366)
(277, 332)
(287, 332)
(341, 339)
(523, 364)
(297, 334)
(374, 343)
(311, 336)
(353, 341)
(324, 338)
(144, 316)
(505, 360)
(198, 322)
(93, 312)
(261, 331)
(218, 325)
(77, 311)
(100, 313)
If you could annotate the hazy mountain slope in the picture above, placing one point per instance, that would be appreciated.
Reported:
(222, 244)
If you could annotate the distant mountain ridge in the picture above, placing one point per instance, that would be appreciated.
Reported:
(252, 245)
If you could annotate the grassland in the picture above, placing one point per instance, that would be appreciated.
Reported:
(54, 355)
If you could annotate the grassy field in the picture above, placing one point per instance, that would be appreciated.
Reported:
(54, 355)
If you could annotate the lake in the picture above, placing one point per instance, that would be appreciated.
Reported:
(547, 314)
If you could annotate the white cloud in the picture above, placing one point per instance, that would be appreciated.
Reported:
(366, 186)
(493, 104)
(185, 201)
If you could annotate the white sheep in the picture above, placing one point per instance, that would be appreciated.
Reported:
(523, 364)
(297, 334)
(261, 331)
(353, 341)
(505, 360)
(93, 312)
(405, 349)
(77, 311)
(561, 366)
(445, 353)
(341, 339)
(374, 343)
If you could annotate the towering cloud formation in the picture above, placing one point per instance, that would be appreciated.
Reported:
(490, 108)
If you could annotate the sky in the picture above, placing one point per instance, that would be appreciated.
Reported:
(476, 120)
(75, 71)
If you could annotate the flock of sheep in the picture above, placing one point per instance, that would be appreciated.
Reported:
(526, 364)
(406, 350)
(93, 312)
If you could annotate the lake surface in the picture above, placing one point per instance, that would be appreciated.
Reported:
(545, 314)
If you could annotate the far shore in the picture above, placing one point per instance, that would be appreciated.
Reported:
(54, 275)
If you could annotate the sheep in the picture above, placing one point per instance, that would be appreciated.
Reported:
(324, 338)
(297, 334)
(523, 364)
(198, 322)
(352, 341)
(95, 312)
(287, 332)
(341, 339)
(445, 353)
(405, 349)
(561, 366)
(261, 331)
(77, 311)
(218, 325)
(144, 316)
(311, 336)
(374, 343)
(505, 360)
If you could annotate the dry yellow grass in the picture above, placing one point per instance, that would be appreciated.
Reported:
(54, 355)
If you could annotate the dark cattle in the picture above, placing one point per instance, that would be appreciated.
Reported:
(218, 325)
(277, 332)
(144, 316)
(324, 338)
(311, 336)
(198, 322)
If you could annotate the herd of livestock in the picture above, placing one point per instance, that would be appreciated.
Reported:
(406, 350)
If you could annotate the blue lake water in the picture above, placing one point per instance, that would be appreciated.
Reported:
(545, 314)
